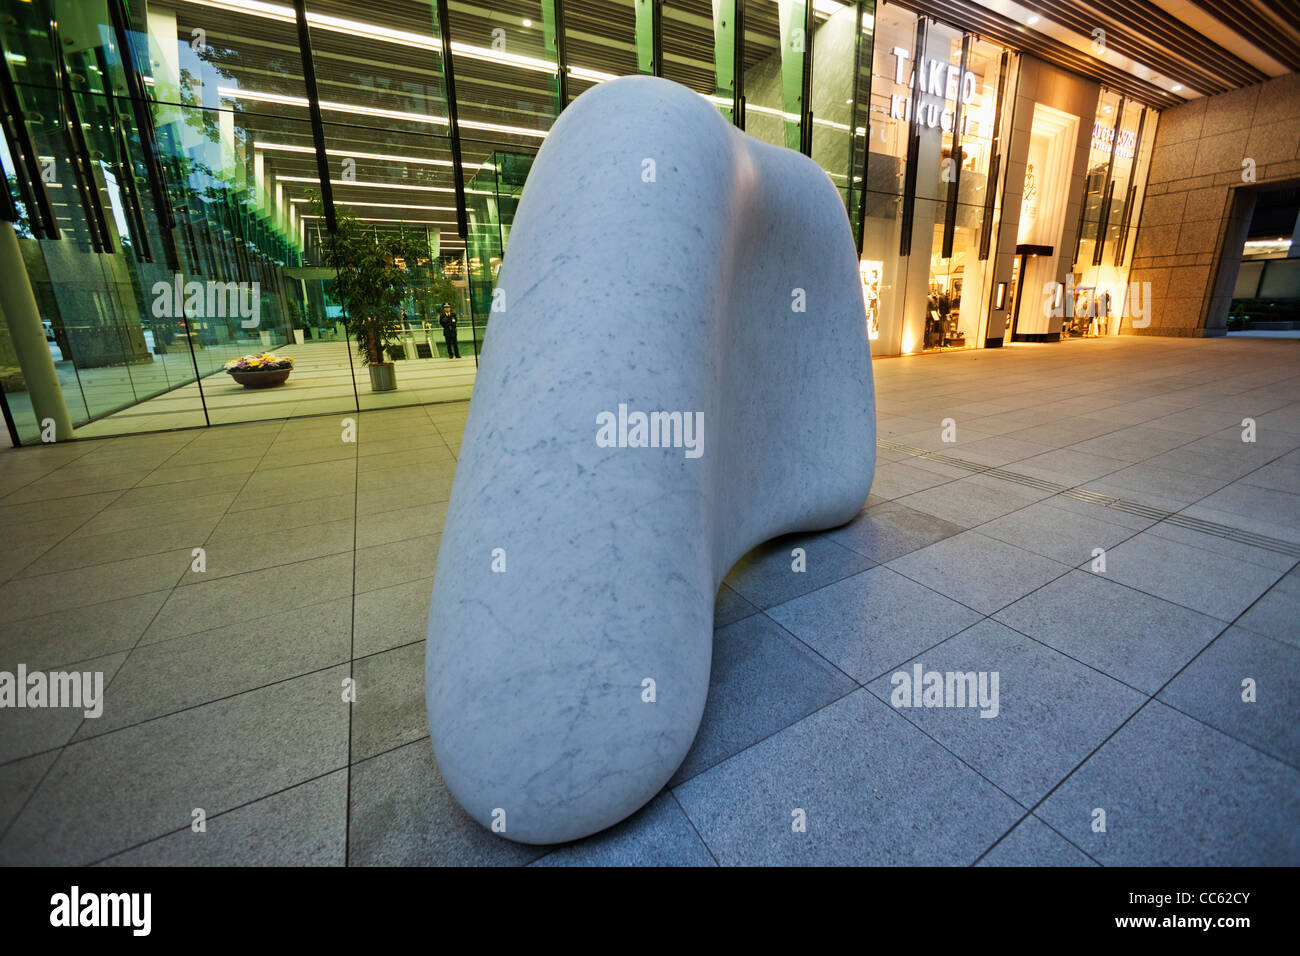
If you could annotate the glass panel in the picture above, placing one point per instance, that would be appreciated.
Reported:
(1097, 292)
(956, 293)
(1103, 128)
(688, 48)
(1142, 163)
(600, 41)
(505, 75)
(978, 121)
(895, 28)
(96, 286)
(1121, 175)
(942, 301)
(840, 95)
(378, 75)
(774, 45)
(940, 67)
(492, 204)
(884, 275)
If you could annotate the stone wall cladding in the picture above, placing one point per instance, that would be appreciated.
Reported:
(1189, 210)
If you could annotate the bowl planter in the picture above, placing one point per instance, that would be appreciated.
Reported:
(262, 377)
(383, 376)
(260, 370)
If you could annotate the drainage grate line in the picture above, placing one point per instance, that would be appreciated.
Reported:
(1236, 534)
(1041, 483)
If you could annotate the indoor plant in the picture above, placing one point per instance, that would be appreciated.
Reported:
(375, 272)
(260, 370)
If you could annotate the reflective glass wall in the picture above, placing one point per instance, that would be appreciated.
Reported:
(938, 99)
(198, 181)
(1123, 134)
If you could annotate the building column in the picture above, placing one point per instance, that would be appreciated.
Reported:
(648, 38)
(724, 54)
(19, 305)
(794, 17)
(553, 36)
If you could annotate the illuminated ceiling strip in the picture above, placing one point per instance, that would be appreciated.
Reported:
(373, 31)
(595, 76)
(1082, 44)
(369, 185)
(411, 222)
(422, 41)
(234, 93)
(271, 11)
(1223, 35)
(422, 222)
(426, 42)
(354, 154)
(390, 205)
(791, 117)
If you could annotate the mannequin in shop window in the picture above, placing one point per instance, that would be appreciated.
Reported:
(1083, 313)
(945, 315)
(933, 325)
(938, 310)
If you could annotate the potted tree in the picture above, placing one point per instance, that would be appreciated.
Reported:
(375, 273)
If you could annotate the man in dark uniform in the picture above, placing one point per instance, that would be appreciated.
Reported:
(447, 319)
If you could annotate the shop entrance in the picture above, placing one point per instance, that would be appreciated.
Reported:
(1024, 253)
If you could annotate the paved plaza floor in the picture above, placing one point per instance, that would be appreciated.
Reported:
(1114, 533)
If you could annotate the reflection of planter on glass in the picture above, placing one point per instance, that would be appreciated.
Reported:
(263, 370)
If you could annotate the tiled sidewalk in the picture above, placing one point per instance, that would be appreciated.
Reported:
(1120, 690)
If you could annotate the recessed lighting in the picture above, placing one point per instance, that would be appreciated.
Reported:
(383, 157)
(1033, 19)
(527, 22)
(1176, 87)
(369, 185)
(234, 93)
(389, 205)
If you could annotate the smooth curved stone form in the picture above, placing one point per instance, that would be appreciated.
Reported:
(676, 294)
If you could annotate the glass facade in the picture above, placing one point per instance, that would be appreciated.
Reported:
(1123, 133)
(932, 202)
(183, 171)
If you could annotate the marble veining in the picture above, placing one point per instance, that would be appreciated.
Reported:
(665, 264)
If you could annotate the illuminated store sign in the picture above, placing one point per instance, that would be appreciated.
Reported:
(936, 78)
(1103, 135)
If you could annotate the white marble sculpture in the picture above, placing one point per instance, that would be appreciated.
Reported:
(660, 261)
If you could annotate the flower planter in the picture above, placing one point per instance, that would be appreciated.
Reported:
(261, 378)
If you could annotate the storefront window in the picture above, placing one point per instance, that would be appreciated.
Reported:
(929, 165)
(1122, 134)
